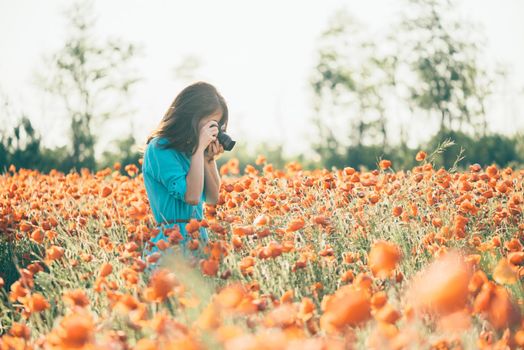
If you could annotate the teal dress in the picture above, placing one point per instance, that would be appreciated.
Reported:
(164, 172)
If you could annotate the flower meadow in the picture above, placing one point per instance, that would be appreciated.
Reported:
(421, 258)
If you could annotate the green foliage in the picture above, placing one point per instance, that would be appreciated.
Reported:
(486, 150)
(22, 146)
(13, 254)
(125, 152)
(9, 270)
(432, 69)
(24, 150)
(23, 143)
(350, 81)
(448, 79)
(84, 75)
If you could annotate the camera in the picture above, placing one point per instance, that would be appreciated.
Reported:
(225, 140)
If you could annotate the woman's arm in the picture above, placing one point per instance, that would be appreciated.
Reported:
(195, 178)
(195, 175)
(212, 182)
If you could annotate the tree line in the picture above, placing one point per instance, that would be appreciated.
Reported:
(426, 66)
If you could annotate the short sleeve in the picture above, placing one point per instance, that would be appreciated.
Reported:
(168, 170)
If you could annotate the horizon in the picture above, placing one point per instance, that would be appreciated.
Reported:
(263, 78)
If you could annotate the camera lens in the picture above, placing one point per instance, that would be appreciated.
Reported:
(226, 141)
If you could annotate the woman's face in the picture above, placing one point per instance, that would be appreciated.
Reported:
(217, 116)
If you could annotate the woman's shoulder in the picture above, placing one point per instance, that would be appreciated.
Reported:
(156, 143)
(158, 140)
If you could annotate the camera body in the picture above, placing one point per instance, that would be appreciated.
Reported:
(225, 140)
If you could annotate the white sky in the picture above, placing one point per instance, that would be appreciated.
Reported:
(259, 54)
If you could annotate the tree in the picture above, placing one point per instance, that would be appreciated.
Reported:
(350, 82)
(21, 144)
(447, 78)
(126, 152)
(91, 79)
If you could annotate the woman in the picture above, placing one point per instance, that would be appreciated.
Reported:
(179, 168)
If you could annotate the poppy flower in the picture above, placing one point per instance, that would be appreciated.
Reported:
(349, 306)
(75, 331)
(383, 258)
(230, 296)
(295, 225)
(105, 269)
(503, 312)
(161, 285)
(385, 164)
(261, 220)
(243, 230)
(387, 314)
(192, 226)
(246, 264)
(209, 267)
(77, 297)
(106, 191)
(505, 273)
(282, 316)
(397, 211)
(442, 287)
(37, 235)
(261, 159)
(20, 330)
(18, 291)
(36, 303)
(421, 155)
(54, 253)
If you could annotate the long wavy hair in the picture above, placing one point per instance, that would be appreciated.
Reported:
(179, 125)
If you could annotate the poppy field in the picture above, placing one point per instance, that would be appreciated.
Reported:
(421, 258)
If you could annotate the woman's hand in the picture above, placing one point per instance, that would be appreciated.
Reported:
(208, 134)
(214, 149)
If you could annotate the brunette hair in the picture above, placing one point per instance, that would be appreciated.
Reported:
(179, 125)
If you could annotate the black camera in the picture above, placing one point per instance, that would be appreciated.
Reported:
(225, 140)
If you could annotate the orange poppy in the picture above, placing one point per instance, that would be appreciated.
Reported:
(192, 226)
(421, 155)
(261, 220)
(349, 306)
(383, 258)
(295, 224)
(505, 272)
(106, 191)
(397, 211)
(385, 164)
(77, 297)
(36, 303)
(20, 330)
(209, 267)
(54, 253)
(442, 287)
(161, 285)
(105, 269)
(74, 332)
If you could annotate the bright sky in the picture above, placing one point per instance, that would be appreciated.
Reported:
(259, 54)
